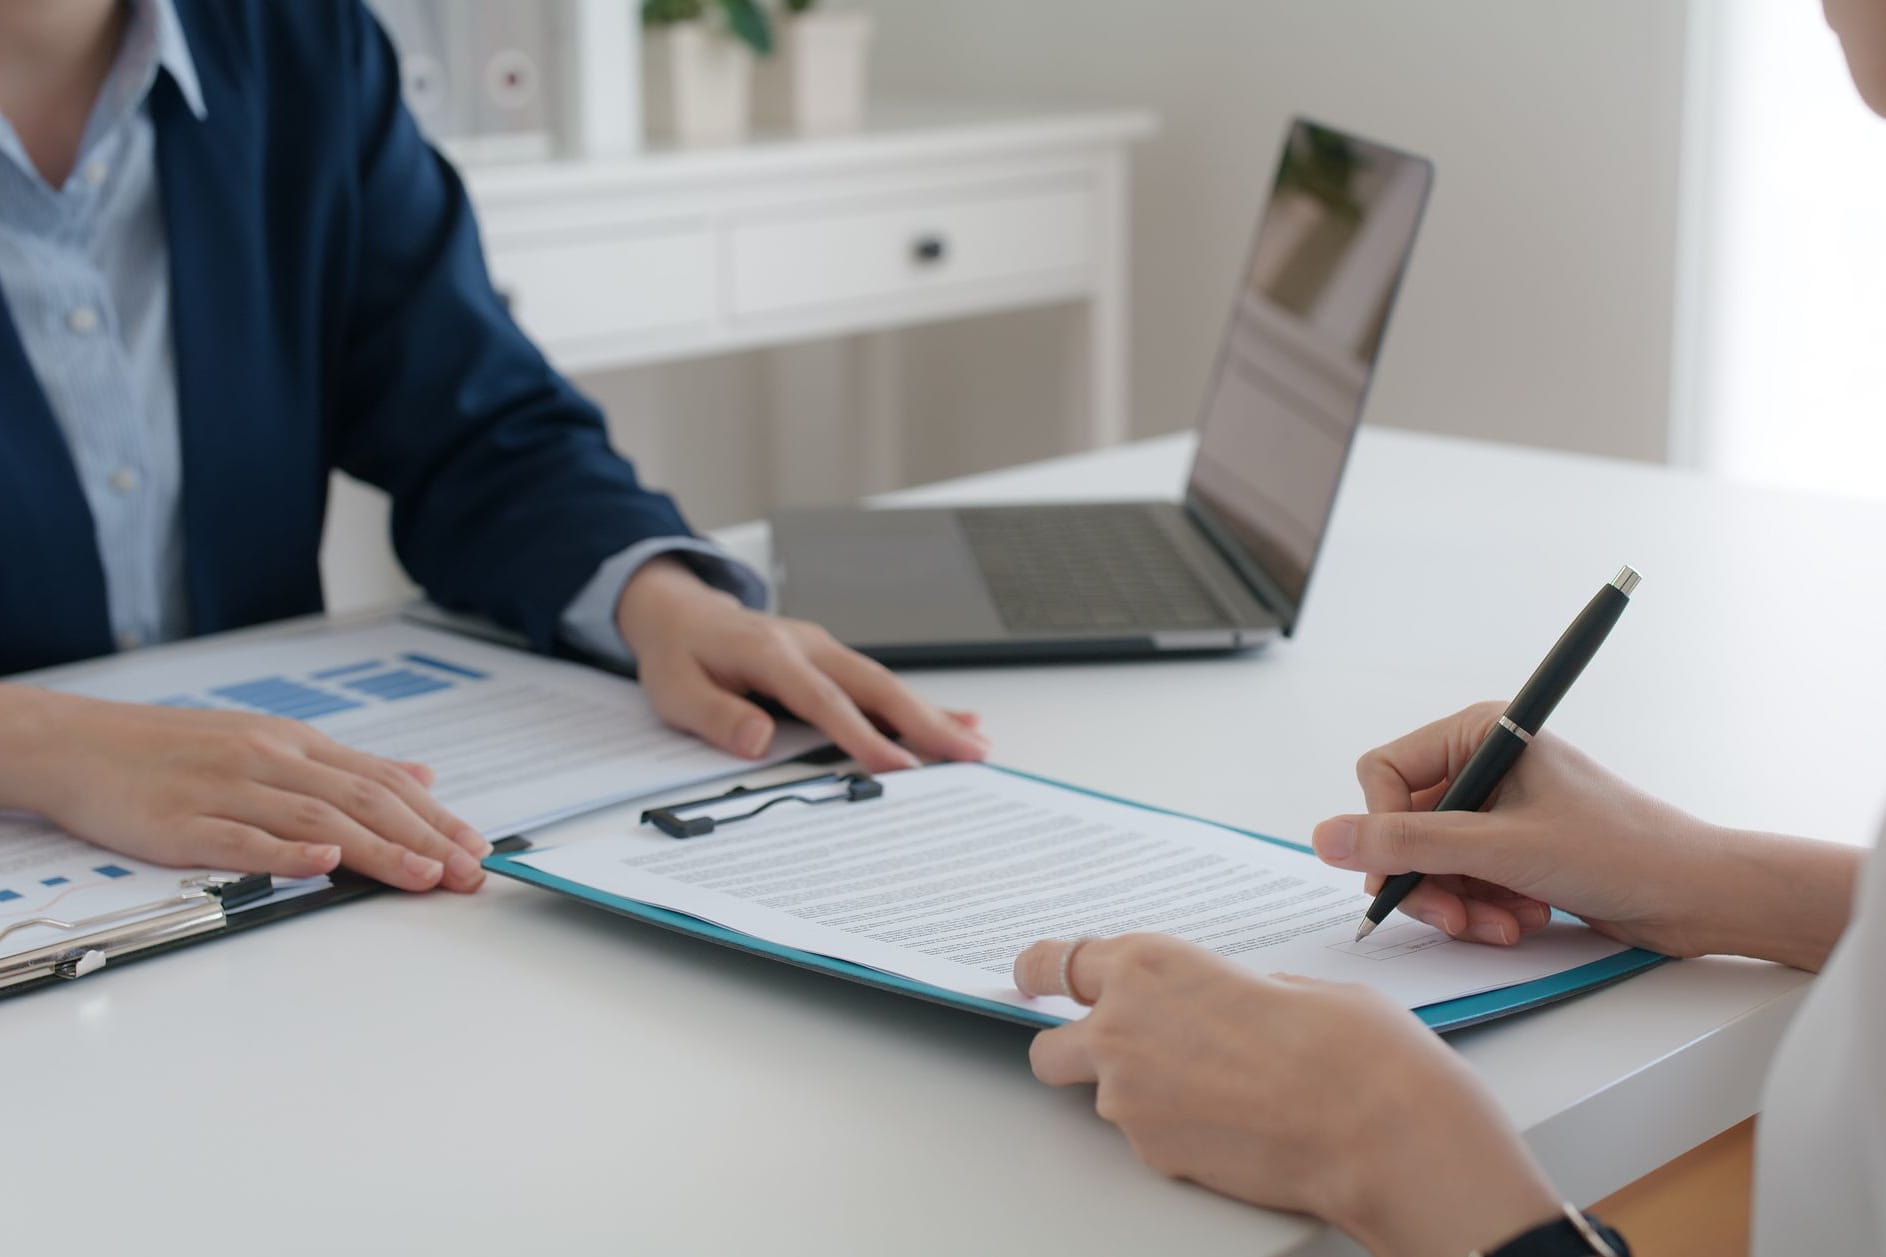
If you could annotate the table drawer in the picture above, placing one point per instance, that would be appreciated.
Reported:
(854, 254)
(563, 291)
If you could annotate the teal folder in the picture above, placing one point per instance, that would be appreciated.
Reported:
(1449, 1015)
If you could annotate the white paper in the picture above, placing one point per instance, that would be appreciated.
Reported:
(958, 868)
(516, 740)
(47, 873)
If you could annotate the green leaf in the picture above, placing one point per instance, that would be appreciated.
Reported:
(670, 12)
(748, 22)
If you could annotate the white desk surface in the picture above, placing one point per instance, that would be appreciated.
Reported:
(513, 1073)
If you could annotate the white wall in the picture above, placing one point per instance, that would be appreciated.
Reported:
(1539, 308)
(1786, 258)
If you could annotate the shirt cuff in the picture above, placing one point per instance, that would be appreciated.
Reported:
(589, 622)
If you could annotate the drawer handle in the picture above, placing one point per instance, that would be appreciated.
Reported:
(929, 250)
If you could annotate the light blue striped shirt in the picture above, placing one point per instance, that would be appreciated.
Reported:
(85, 271)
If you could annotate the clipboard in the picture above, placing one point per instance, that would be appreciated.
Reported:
(1444, 1017)
(203, 907)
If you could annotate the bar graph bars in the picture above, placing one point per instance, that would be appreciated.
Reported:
(43, 888)
(346, 669)
(442, 665)
(331, 690)
(400, 683)
(278, 696)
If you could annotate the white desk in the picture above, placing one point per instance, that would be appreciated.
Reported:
(513, 1073)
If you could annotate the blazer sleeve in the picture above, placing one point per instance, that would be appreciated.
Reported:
(507, 497)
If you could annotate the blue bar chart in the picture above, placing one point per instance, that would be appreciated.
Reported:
(330, 691)
(30, 887)
(278, 696)
(397, 684)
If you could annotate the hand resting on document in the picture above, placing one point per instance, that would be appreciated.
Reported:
(700, 652)
(226, 790)
(1330, 1099)
(260, 794)
(1317, 1097)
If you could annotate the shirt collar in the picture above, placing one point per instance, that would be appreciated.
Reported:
(173, 52)
(153, 40)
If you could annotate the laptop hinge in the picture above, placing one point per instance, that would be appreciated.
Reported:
(1254, 577)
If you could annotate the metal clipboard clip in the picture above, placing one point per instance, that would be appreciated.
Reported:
(201, 906)
(852, 788)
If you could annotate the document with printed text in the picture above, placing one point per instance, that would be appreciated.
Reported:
(956, 869)
(515, 740)
(52, 884)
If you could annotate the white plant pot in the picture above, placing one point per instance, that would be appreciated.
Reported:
(814, 83)
(697, 85)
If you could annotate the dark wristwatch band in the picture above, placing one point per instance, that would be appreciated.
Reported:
(1574, 1235)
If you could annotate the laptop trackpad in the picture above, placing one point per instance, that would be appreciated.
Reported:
(877, 578)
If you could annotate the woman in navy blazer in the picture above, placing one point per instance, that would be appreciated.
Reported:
(225, 249)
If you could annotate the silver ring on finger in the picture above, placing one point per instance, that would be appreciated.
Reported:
(1067, 971)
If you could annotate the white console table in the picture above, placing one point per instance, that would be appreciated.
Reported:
(929, 213)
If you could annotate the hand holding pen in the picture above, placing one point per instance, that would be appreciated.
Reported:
(1502, 888)
(1524, 717)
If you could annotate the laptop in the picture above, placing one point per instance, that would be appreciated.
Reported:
(1224, 569)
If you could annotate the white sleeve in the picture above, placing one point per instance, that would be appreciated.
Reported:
(589, 622)
(1820, 1143)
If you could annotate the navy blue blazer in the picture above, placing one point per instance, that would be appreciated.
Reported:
(330, 308)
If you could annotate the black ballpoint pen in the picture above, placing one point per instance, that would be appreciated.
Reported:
(1523, 718)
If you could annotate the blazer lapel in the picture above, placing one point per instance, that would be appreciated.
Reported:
(209, 171)
(53, 606)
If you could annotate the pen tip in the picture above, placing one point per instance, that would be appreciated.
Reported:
(1626, 580)
(1365, 929)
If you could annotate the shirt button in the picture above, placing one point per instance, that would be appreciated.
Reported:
(97, 172)
(125, 480)
(130, 639)
(83, 320)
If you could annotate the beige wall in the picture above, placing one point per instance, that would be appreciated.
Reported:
(1539, 308)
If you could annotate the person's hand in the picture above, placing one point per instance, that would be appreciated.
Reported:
(1321, 1098)
(1563, 832)
(699, 653)
(224, 790)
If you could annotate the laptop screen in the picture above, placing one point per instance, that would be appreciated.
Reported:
(1302, 340)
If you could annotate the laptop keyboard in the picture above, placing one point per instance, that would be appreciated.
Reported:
(1087, 569)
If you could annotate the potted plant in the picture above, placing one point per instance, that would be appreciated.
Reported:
(697, 67)
(815, 81)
